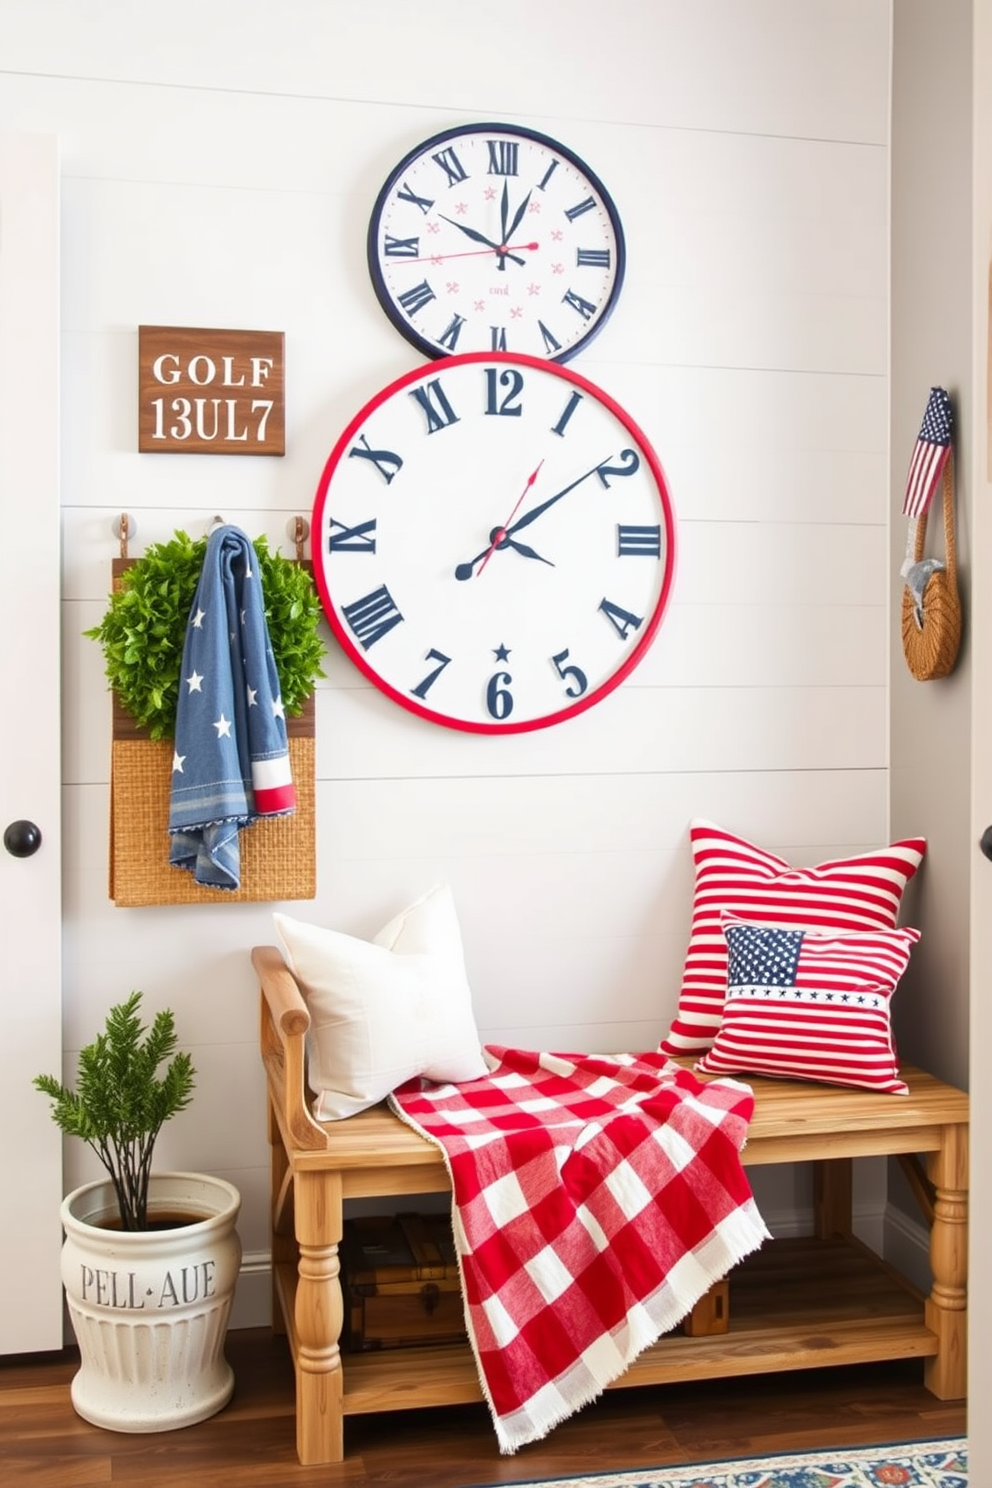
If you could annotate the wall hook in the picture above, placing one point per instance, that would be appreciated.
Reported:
(299, 530)
(124, 527)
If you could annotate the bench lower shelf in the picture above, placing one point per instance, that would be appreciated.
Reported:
(795, 1304)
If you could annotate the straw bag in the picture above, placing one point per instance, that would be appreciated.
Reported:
(931, 607)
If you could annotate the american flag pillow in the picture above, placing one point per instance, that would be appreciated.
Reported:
(809, 1006)
(735, 877)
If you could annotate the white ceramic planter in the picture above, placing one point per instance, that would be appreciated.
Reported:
(150, 1309)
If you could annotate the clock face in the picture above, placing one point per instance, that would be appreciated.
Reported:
(493, 542)
(494, 238)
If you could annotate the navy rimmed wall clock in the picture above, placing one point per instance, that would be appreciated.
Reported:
(493, 237)
(494, 542)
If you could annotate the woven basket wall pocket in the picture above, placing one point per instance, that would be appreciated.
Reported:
(279, 853)
(931, 605)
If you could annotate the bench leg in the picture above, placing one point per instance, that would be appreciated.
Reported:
(283, 1244)
(945, 1375)
(318, 1318)
(833, 1187)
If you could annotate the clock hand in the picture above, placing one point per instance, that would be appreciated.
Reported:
(497, 541)
(538, 511)
(504, 212)
(470, 253)
(508, 542)
(506, 233)
(518, 217)
(466, 570)
(478, 237)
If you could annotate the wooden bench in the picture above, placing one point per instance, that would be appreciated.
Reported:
(796, 1304)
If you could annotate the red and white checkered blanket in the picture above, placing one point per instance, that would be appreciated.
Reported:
(596, 1199)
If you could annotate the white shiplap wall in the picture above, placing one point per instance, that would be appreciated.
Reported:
(220, 159)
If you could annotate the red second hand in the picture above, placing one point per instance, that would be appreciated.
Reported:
(501, 531)
(475, 253)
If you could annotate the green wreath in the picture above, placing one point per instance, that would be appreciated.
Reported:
(144, 629)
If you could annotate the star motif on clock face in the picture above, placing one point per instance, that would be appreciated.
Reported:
(501, 653)
(498, 200)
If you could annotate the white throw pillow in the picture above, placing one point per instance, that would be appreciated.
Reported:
(384, 1011)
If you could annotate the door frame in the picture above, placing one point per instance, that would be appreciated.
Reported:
(30, 754)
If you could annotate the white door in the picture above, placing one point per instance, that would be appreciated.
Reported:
(30, 875)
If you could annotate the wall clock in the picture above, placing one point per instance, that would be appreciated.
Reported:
(493, 542)
(494, 238)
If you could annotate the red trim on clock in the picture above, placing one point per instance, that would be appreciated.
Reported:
(355, 653)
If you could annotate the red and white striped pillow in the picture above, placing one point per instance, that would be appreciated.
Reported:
(809, 1006)
(735, 877)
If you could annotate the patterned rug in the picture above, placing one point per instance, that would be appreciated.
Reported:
(926, 1464)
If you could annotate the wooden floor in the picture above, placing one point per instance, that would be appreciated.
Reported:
(251, 1443)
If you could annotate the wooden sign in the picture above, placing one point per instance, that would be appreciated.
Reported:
(203, 392)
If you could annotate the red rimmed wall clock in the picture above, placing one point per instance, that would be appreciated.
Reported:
(494, 542)
(491, 236)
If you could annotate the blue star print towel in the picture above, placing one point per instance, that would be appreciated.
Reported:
(231, 762)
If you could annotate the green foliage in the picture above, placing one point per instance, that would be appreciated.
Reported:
(144, 628)
(120, 1104)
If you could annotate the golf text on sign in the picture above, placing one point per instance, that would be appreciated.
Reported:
(210, 392)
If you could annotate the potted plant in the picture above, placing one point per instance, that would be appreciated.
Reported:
(150, 1260)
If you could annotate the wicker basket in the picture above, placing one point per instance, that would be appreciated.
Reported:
(278, 853)
(931, 634)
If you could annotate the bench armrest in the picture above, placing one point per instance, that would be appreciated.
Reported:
(284, 1025)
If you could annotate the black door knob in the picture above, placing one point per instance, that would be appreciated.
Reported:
(986, 843)
(22, 838)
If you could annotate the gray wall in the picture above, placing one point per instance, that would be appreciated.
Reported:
(932, 338)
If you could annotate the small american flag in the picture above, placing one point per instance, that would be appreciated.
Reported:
(933, 445)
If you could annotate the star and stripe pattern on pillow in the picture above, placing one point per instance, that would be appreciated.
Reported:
(736, 877)
(803, 1005)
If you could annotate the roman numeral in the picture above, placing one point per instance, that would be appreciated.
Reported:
(592, 258)
(438, 411)
(356, 539)
(498, 337)
(550, 344)
(423, 202)
(580, 207)
(451, 165)
(621, 620)
(416, 298)
(638, 542)
(503, 157)
(584, 308)
(371, 617)
(542, 183)
(384, 461)
(567, 411)
(401, 247)
(449, 337)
